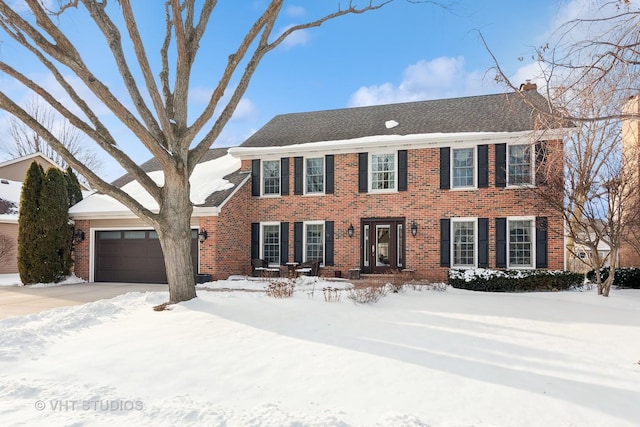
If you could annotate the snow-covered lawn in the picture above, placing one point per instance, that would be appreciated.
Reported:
(14, 280)
(416, 358)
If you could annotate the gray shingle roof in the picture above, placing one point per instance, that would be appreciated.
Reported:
(506, 112)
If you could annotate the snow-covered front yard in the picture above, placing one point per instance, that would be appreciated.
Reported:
(416, 358)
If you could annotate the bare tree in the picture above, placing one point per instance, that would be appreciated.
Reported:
(7, 248)
(590, 68)
(156, 110)
(24, 140)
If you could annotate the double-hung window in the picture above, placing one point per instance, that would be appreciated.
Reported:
(270, 240)
(520, 165)
(271, 177)
(314, 175)
(383, 172)
(521, 243)
(464, 242)
(463, 169)
(314, 241)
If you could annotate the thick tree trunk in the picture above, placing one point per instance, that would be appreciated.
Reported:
(175, 239)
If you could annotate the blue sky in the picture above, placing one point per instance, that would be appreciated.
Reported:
(403, 52)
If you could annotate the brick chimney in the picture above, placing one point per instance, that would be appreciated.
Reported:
(528, 86)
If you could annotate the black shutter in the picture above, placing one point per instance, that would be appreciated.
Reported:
(483, 166)
(328, 242)
(501, 242)
(445, 168)
(445, 242)
(284, 176)
(297, 242)
(298, 175)
(541, 153)
(255, 240)
(255, 177)
(284, 242)
(363, 171)
(541, 242)
(501, 165)
(402, 170)
(483, 242)
(329, 178)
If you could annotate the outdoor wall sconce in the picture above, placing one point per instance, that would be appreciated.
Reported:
(414, 228)
(351, 230)
(202, 236)
(78, 236)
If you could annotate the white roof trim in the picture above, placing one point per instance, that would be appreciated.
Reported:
(431, 140)
(8, 219)
(27, 157)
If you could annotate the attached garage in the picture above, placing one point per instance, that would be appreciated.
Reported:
(133, 256)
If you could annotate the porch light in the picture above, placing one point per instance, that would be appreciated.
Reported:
(351, 230)
(78, 236)
(414, 228)
(202, 236)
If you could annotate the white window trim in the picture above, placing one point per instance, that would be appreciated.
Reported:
(262, 178)
(532, 154)
(370, 171)
(533, 242)
(262, 225)
(475, 168)
(324, 176)
(475, 242)
(304, 239)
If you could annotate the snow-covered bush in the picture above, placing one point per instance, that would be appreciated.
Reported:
(281, 288)
(331, 294)
(513, 280)
(367, 295)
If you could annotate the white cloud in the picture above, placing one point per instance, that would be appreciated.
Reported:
(245, 109)
(295, 11)
(297, 38)
(442, 77)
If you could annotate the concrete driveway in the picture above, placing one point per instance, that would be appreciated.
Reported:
(21, 300)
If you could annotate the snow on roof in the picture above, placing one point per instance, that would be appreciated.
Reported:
(413, 141)
(206, 179)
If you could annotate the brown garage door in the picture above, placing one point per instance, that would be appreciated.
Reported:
(133, 256)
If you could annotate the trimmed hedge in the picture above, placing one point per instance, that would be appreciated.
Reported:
(625, 277)
(514, 280)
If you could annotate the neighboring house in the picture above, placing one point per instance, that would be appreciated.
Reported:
(630, 246)
(580, 261)
(12, 173)
(421, 186)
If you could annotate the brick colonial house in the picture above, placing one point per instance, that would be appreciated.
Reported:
(421, 186)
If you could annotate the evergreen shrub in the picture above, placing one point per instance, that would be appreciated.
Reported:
(624, 277)
(514, 280)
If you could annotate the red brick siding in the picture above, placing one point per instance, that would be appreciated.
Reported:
(81, 260)
(424, 202)
(227, 251)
